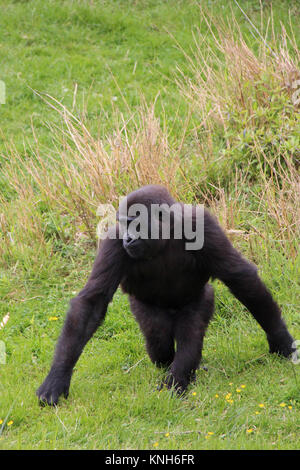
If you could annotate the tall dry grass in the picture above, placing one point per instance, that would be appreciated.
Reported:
(246, 129)
(242, 93)
(225, 72)
(83, 170)
(268, 213)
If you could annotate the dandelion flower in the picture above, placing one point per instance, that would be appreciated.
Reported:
(9, 423)
(261, 405)
(1, 421)
(257, 412)
(167, 434)
(290, 407)
(249, 431)
(194, 394)
(52, 318)
(155, 444)
(238, 390)
(230, 402)
(228, 396)
(216, 395)
(210, 433)
(243, 386)
(282, 405)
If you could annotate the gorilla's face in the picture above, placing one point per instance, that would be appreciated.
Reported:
(141, 249)
(144, 228)
(139, 243)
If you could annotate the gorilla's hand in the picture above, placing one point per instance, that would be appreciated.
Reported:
(56, 383)
(281, 343)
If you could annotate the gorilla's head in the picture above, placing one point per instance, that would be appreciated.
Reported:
(145, 221)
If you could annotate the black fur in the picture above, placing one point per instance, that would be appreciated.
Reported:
(169, 296)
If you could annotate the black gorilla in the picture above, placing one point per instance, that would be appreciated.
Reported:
(169, 296)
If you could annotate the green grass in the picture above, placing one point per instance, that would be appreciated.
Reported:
(49, 46)
(113, 401)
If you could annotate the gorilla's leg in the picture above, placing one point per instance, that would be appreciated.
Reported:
(190, 327)
(158, 329)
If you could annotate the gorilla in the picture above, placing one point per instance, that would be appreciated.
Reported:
(168, 292)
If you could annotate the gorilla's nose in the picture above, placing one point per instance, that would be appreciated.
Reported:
(128, 240)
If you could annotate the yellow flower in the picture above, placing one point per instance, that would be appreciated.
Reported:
(261, 405)
(257, 412)
(210, 433)
(238, 390)
(290, 407)
(282, 405)
(167, 434)
(9, 423)
(228, 399)
(1, 421)
(155, 444)
(194, 394)
(52, 318)
(243, 386)
(216, 395)
(249, 430)
(230, 383)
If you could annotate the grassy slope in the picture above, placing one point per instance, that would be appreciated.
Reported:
(49, 46)
(55, 44)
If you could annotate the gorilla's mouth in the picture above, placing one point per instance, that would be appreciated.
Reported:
(139, 250)
(136, 251)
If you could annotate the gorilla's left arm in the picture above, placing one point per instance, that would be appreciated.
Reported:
(86, 313)
(224, 262)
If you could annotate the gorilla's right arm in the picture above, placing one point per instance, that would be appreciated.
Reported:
(86, 313)
(224, 262)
